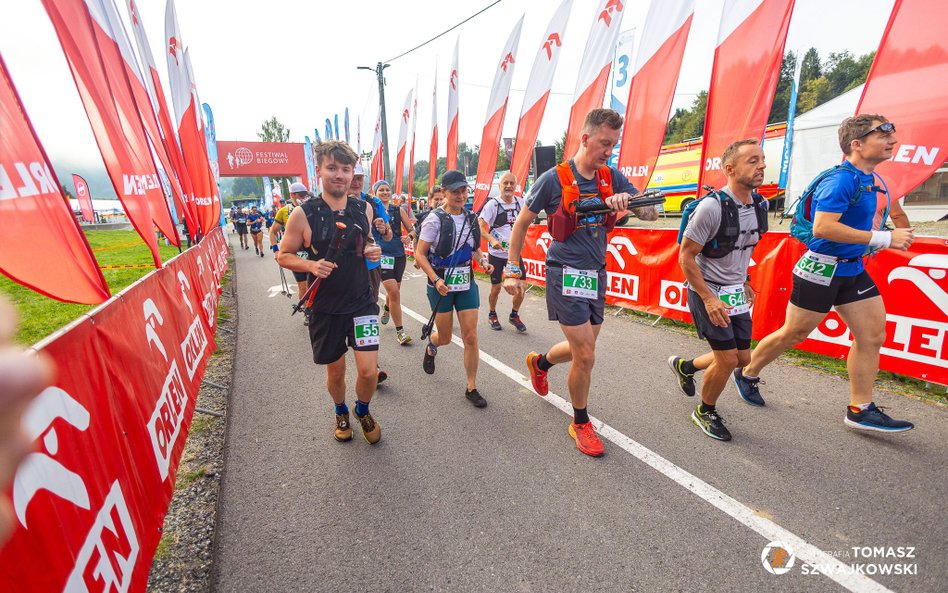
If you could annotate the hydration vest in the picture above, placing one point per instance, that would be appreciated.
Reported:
(442, 252)
(724, 240)
(502, 218)
(322, 221)
(395, 216)
(564, 221)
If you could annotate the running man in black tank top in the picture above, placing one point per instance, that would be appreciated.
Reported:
(345, 314)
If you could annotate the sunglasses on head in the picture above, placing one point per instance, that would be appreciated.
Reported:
(886, 128)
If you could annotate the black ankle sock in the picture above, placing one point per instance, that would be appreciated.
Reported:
(705, 408)
(580, 416)
(514, 313)
(492, 312)
(543, 364)
(398, 328)
(688, 367)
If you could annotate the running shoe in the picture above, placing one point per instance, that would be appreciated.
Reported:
(428, 364)
(748, 388)
(382, 376)
(371, 430)
(475, 398)
(402, 336)
(494, 322)
(257, 251)
(537, 377)
(515, 321)
(686, 382)
(385, 316)
(261, 254)
(343, 428)
(873, 418)
(711, 424)
(586, 438)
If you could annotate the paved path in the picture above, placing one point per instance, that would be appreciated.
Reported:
(460, 499)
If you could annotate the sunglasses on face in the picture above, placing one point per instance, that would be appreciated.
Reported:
(885, 129)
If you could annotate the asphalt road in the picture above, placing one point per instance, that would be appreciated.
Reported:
(456, 498)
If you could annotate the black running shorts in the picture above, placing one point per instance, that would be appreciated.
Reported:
(569, 310)
(395, 273)
(736, 336)
(240, 228)
(332, 335)
(497, 276)
(841, 290)
(301, 276)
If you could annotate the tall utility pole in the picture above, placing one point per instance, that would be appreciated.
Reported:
(379, 69)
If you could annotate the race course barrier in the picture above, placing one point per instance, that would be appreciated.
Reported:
(644, 275)
(91, 498)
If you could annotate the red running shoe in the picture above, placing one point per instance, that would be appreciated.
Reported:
(537, 377)
(586, 438)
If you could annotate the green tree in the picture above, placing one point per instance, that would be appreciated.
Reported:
(685, 124)
(560, 147)
(273, 131)
(781, 103)
(811, 69)
(247, 186)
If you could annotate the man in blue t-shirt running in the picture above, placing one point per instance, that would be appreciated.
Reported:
(831, 273)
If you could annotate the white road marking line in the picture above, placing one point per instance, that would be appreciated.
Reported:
(808, 553)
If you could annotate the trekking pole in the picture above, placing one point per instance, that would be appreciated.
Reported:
(338, 238)
(426, 329)
(284, 284)
(649, 198)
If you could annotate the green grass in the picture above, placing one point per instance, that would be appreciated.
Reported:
(163, 545)
(41, 315)
(188, 478)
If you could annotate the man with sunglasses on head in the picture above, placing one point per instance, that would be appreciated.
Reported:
(831, 273)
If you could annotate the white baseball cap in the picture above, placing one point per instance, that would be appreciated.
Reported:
(358, 170)
(298, 188)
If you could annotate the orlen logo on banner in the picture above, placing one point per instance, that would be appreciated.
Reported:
(673, 295)
(30, 174)
(910, 153)
(624, 286)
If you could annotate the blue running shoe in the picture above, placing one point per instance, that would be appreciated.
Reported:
(748, 388)
(873, 418)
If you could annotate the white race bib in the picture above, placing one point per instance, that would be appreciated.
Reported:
(459, 279)
(583, 284)
(735, 298)
(366, 330)
(388, 262)
(816, 268)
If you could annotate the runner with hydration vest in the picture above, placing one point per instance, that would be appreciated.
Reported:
(837, 218)
(576, 259)
(497, 219)
(394, 259)
(298, 194)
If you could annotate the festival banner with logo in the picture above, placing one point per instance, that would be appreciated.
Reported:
(494, 121)
(310, 164)
(411, 152)
(90, 498)
(32, 205)
(452, 145)
(378, 164)
(433, 149)
(652, 88)
(644, 274)
(908, 84)
(537, 94)
(255, 159)
(84, 198)
(594, 70)
(346, 125)
(404, 116)
(750, 46)
(621, 79)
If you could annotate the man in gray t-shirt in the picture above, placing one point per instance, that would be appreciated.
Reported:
(719, 291)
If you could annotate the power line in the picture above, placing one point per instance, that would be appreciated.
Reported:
(443, 32)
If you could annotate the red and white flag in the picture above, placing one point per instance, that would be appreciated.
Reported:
(746, 70)
(652, 87)
(404, 116)
(206, 199)
(496, 111)
(101, 78)
(452, 147)
(433, 151)
(157, 95)
(84, 198)
(411, 153)
(32, 205)
(378, 166)
(594, 70)
(908, 84)
(538, 92)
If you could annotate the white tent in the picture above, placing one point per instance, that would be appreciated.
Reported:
(815, 140)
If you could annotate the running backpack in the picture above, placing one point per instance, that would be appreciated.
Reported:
(443, 250)
(502, 217)
(725, 239)
(801, 219)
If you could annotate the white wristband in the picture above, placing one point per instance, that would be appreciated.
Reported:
(880, 239)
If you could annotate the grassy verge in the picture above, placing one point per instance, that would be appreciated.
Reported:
(41, 315)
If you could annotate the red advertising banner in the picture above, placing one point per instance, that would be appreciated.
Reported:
(261, 159)
(644, 274)
(32, 205)
(91, 498)
(84, 198)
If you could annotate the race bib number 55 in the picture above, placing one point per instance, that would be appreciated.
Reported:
(366, 330)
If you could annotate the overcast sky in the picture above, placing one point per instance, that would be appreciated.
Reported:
(297, 60)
